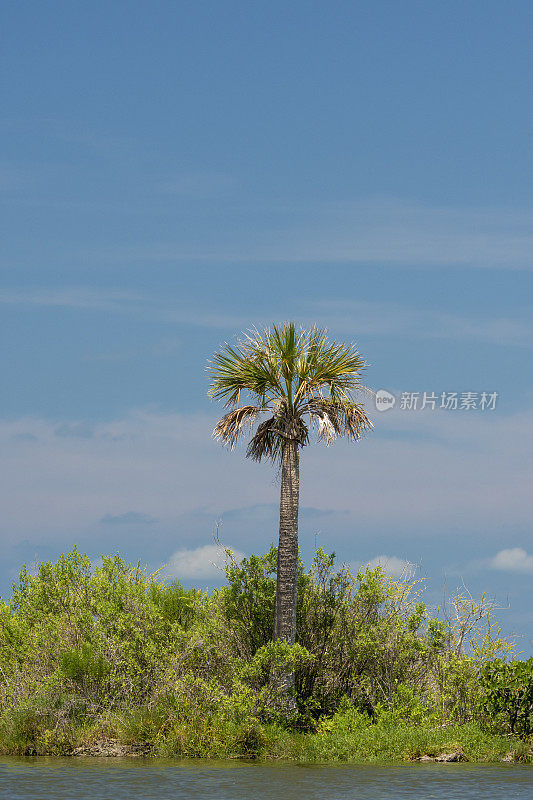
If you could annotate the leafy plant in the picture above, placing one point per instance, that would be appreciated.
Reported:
(84, 664)
(508, 693)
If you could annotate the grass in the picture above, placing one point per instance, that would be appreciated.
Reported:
(170, 737)
(377, 744)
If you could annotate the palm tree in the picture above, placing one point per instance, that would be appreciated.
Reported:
(304, 382)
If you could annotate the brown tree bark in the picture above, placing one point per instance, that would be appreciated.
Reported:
(286, 583)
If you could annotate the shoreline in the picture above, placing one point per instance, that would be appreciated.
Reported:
(376, 745)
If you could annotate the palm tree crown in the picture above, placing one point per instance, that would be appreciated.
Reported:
(298, 377)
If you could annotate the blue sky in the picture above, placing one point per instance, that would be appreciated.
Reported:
(174, 173)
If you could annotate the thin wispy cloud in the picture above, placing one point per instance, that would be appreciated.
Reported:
(123, 302)
(82, 297)
(128, 518)
(383, 231)
(371, 318)
(76, 430)
(167, 346)
(393, 319)
(257, 230)
(449, 467)
(198, 184)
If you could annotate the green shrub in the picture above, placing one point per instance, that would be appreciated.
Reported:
(508, 694)
(84, 664)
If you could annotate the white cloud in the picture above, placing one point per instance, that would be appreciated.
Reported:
(513, 559)
(205, 562)
(392, 565)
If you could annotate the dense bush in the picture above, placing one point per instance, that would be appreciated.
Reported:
(110, 651)
(507, 694)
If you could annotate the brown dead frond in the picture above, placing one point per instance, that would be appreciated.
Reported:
(338, 419)
(356, 421)
(271, 435)
(229, 430)
(265, 442)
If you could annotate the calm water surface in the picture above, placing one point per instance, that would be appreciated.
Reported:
(131, 779)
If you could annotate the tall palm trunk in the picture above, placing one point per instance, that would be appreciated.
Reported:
(285, 609)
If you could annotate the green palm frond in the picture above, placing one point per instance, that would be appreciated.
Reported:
(244, 368)
(331, 366)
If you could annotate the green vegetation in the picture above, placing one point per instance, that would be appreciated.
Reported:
(112, 653)
(508, 693)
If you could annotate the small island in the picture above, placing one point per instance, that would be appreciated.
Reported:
(112, 661)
